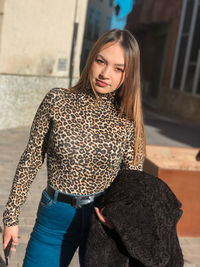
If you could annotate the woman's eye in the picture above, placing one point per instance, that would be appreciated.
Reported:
(100, 61)
(120, 70)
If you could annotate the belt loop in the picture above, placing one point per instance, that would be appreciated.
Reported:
(55, 195)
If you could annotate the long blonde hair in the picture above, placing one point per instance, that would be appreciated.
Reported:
(130, 91)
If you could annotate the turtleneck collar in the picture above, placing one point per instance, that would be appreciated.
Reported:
(106, 97)
(100, 97)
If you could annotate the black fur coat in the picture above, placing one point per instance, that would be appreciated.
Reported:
(144, 212)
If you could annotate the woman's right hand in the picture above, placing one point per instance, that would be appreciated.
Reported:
(10, 232)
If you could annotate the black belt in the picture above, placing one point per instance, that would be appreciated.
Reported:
(75, 201)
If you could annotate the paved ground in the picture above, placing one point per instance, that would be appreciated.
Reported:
(159, 129)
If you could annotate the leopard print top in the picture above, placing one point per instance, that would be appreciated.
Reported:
(86, 141)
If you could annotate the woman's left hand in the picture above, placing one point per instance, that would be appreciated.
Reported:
(104, 219)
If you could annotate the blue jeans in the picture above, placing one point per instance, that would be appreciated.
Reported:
(59, 230)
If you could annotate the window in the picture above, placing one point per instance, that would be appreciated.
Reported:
(185, 73)
(85, 55)
(97, 25)
(90, 21)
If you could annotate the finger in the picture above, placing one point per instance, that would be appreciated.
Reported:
(109, 224)
(103, 219)
(13, 248)
(100, 216)
(15, 241)
(6, 239)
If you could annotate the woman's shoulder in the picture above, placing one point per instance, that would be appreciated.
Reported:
(59, 91)
(59, 94)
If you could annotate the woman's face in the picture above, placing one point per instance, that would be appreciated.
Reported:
(108, 69)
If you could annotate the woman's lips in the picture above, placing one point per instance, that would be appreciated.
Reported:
(101, 83)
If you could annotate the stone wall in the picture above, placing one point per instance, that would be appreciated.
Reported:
(36, 45)
(20, 97)
(36, 37)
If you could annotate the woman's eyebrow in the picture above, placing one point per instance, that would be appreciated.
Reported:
(98, 55)
(120, 65)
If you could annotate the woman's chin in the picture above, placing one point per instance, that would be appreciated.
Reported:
(102, 90)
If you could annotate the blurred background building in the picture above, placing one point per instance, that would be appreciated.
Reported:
(121, 11)
(42, 44)
(40, 48)
(168, 33)
(98, 21)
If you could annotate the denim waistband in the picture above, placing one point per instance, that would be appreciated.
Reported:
(76, 201)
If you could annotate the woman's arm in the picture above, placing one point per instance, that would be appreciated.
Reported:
(128, 157)
(127, 163)
(30, 161)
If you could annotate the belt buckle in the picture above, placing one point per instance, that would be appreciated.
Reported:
(83, 200)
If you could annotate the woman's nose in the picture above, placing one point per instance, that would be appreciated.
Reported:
(105, 72)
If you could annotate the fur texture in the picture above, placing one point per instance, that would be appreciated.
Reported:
(144, 212)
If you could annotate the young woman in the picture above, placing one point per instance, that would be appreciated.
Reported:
(89, 133)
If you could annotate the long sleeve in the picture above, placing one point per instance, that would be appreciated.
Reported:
(127, 162)
(30, 162)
